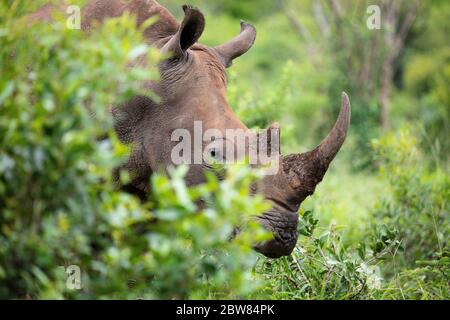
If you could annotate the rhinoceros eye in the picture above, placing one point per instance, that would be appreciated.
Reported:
(214, 152)
(213, 155)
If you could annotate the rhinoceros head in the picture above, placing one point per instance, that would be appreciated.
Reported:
(192, 91)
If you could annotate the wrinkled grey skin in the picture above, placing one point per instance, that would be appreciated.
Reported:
(193, 88)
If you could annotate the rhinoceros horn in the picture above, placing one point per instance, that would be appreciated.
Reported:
(305, 170)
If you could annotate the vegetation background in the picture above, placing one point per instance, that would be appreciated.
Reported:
(376, 228)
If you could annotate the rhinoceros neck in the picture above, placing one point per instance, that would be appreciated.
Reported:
(157, 33)
(164, 26)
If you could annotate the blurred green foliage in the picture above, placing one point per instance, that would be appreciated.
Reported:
(417, 206)
(376, 228)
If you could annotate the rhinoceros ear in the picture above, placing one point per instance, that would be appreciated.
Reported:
(238, 45)
(188, 34)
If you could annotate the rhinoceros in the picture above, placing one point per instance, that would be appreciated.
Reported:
(192, 88)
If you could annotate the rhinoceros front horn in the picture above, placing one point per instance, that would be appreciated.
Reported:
(304, 171)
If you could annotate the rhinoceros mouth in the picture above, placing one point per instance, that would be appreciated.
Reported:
(283, 226)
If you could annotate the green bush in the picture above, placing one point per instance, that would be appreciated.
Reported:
(417, 206)
(418, 200)
(55, 165)
(322, 266)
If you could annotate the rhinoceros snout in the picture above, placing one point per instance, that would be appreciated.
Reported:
(284, 229)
